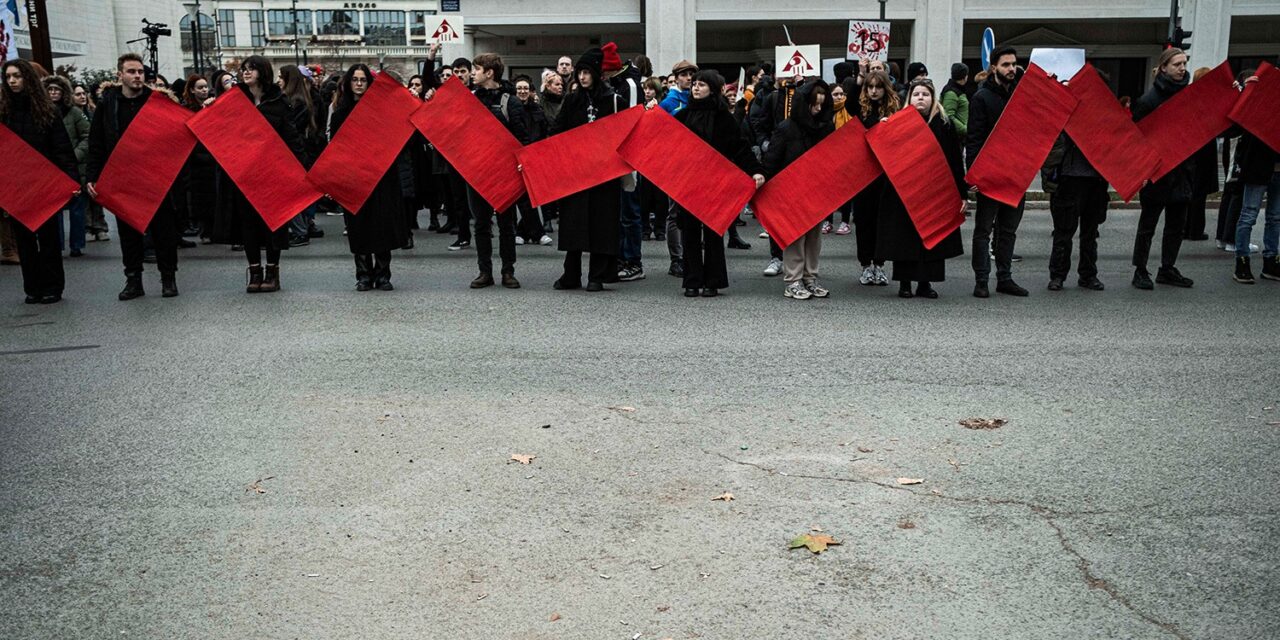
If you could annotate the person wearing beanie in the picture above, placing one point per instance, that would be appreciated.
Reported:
(914, 70)
(955, 99)
(676, 100)
(625, 80)
(589, 219)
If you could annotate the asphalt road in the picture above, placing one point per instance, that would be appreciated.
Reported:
(1132, 493)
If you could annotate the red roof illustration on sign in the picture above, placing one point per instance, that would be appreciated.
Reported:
(797, 64)
(445, 31)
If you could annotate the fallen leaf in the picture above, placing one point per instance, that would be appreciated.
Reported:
(555, 616)
(522, 459)
(865, 449)
(256, 485)
(983, 423)
(816, 544)
(482, 596)
(664, 608)
(726, 496)
(906, 524)
(623, 409)
(910, 480)
(656, 567)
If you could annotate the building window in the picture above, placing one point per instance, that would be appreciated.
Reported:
(206, 33)
(418, 26)
(257, 34)
(280, 23)
(227, 27)
(337, 23)
(384, 28)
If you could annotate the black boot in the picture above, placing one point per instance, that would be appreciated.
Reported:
(382, 273)
(364, 272)
(168, 284)
(1244, 272)
(1271, 267)
(132, 286)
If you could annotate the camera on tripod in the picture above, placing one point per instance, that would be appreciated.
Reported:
(155, 29)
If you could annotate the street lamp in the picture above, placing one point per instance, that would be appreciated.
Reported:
(294, 8)
(193, 11)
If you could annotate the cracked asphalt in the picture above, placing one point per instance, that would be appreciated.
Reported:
(1132, 493)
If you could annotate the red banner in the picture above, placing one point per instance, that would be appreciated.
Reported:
(1189, 120)
(789, 205)
(373, 135)
(258, 161)
(577, 159)
(688, 169)
(32, 189)
(913, 160)
(474, 141)
(1107, 136)
(1259, 106)
(1020, 142)
(136, 179)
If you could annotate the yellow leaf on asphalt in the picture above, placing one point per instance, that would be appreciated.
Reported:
(815, 543)
(910, 480)
(726, 496)
(522, 459)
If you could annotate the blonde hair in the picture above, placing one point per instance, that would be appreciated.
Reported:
(936, 108)
(1166, 57)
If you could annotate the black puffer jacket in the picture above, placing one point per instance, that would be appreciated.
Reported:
(799, 133)
(1256, 160)
(49, 139)
(513, 120)
(1176, 186)
(710, 119)
(280, 115)
(984, 110)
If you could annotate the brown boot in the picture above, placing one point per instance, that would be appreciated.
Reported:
(254, 274)
(271, 279)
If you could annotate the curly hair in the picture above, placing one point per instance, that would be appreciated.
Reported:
(889, 105)
(42, 109)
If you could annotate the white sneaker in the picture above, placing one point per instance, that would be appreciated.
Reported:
(881, 278)
(817, 290)
(826, 228)
(1229, 247)
(764, 235)
(868, 276)
(545, 241)
(774, 268)
(1221, 244)
(519, 240)
(797, 290)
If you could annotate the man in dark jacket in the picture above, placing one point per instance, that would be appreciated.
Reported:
(116, 110)
(1079, 201)
(985, 109)
(625, 80)
(499, 96)
(1260, 175)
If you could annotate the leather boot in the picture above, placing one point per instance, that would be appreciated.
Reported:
(382, 273)
(132, 286)
(168, 284)
(364, 272)
(254, 276)
(271, 278)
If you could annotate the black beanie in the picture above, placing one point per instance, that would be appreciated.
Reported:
(959, 71)
(843, 70)
(593, 60)
(914, 70)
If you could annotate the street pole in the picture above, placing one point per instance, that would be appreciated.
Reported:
(197, 45)
(882, 3)
(1173, 19)
(294, 5)
(38, 27)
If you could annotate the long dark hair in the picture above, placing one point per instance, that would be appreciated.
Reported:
(266, 75)
(345, 98)
(215, 82)
(296, 86)
(188, 99)
(42, 109)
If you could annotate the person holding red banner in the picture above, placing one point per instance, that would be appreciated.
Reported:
(810, 121)
(708, 116)
(876, 101)
(589, 220)
(897, 237)
(25, 108)
(1079, 201)
(378, 228)
(1260, 176)
(993, 217)
(117, 108)
(1171, 194)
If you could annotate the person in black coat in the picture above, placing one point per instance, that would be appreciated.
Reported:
(708, 117)
(876, 101)
(26, 110)
(810, 122)
(238, 221)
(378, 227)
(589, 220)
(898, 238)
(1170, 194)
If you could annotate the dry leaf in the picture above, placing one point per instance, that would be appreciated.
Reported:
(906, 524)
(910, 480)
(726, 496)
(256, 485)
(983, 423)
(816, 544)
(555, 616)
(865, 449)
(623, 409)
(522, 459)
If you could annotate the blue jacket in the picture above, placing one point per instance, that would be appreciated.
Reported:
(676, 101)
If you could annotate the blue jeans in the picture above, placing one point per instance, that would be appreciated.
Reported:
(76, 209)
(629, 215)
(1249, 215)
(301, 223)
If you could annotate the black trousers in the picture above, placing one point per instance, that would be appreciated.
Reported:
(483, 214)
(600, 267)
(164, 236)
(1078, 203)
(1194, 227)
(866, 207)
(1229, 211)
(530, 226)
(1002, 220)
(41, 256)
(704, 261)
(459, 210)
(1175, 222)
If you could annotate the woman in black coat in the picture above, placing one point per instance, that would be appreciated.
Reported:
(897, 237)
(876, 101)
(589, 219)
(708, 117)
(1170, 194)
(239, 222)
(25, 108)
(378, 228)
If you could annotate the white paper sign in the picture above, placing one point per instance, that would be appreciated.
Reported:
(868, 39)
(797, 60)
(444, 29)
(1063, 63)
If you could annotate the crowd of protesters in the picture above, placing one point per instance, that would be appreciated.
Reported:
(761, 127)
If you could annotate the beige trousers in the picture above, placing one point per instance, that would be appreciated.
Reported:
(800, 258)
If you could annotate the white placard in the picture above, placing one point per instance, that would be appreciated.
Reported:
(444, 29)
(797, 60)
(868, 39)
(1063, 63)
